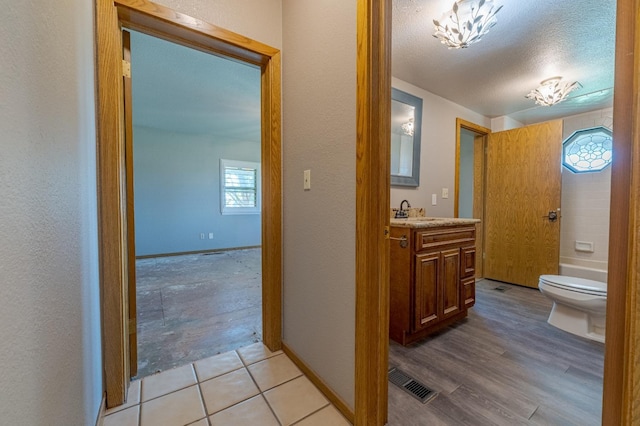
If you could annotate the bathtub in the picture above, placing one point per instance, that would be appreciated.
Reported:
(579, 271)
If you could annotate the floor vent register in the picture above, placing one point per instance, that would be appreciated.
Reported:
(411, 386)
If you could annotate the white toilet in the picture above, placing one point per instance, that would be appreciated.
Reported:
(579, 305)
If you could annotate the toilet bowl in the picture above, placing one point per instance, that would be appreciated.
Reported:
(579, 305)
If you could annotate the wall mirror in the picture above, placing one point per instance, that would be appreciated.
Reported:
(406, 126)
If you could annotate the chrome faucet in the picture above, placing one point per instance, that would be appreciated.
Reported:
(402, 213)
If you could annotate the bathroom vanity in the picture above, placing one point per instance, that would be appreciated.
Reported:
(432, 275)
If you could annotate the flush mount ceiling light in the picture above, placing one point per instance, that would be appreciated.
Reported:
(407, 128)
(551, 91)
(465, 23)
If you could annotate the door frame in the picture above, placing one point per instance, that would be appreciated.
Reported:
(478, 186)
(162, 22)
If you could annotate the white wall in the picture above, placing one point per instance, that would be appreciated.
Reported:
(505, 122)
(437, 152)
(177, 193)
(319, 127)
(50, 355)
(585, 201)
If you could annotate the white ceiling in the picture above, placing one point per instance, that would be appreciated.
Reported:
(532, 41)
(185, 90)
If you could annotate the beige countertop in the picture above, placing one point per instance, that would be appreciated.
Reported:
(431, 222)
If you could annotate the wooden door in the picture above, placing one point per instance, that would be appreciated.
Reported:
(450, 283)
(522, 187)
(427, 294)
(131, 239)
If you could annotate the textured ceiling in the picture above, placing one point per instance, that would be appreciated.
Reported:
(180, 89)
(532, 41)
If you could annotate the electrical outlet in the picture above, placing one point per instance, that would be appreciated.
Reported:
(445, 192)
(202, 235)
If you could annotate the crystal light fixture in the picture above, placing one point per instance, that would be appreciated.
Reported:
(465, 23)
(407, 128)
(551, 91)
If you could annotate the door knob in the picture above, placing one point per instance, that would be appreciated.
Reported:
(552, 216)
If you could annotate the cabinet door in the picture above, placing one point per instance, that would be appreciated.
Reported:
(450, 282)
(426, 290)
(469, 292)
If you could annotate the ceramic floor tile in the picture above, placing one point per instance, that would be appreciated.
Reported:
(126, 417)
(327, 416)
(273, 371)
(254, 411)
(175, 409)
(217, 365)
(133, 398)
(295, 399)
(256, 352)
(167, 381)
(227, 390)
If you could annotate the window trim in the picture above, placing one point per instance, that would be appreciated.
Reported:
(226, 210)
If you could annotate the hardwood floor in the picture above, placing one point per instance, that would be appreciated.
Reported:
(503, 365)
(195, 306)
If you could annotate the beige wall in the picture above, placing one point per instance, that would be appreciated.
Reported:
(319, 128)
(260, 20)
(437, 153)
(585, 201)
(50, 350)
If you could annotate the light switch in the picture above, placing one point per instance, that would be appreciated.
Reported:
(445, 192)
(434, 199)
(307, 179)
(211, 235)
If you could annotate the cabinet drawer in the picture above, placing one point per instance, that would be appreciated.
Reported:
(468, 263)
(469, 292)
(429, 239)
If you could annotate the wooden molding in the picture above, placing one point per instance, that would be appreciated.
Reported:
(320, 384)
(373, 116)
(621, 390)
(165, 23)
(463, 124)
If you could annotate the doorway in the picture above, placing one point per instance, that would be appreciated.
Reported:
(196, 203)
(173, 26)
(469, 191)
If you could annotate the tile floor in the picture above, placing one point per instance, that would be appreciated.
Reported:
(249, 386)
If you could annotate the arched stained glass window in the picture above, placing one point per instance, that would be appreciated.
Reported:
(588, 150)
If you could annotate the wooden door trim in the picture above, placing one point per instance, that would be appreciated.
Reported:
(165, 23)
(373, 178)
(621, 389)
(463, 124)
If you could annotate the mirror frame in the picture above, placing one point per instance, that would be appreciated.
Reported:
(416, 102)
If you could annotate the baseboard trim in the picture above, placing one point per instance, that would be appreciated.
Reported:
(103, 407)
(182, 253)
(320, 384)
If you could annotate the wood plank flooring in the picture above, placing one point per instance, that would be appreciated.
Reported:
(195, 306)
(503, 365)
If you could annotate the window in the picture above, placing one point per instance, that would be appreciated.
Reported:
(239, 187)
(588, 150)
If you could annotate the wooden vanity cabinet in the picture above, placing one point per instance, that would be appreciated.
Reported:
(432, 279)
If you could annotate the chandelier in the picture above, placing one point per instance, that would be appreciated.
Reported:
(551, 91)
(407, 128)
(465, 23)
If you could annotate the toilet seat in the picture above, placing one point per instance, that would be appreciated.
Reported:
(579, 285)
